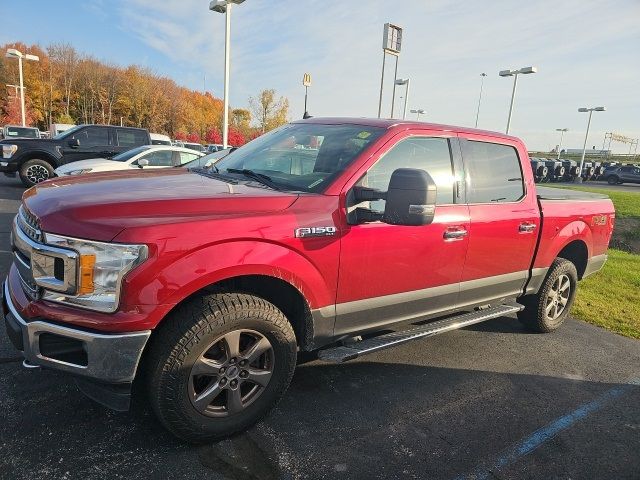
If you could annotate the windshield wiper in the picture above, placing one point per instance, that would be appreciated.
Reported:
(259, 177)
(205, 172)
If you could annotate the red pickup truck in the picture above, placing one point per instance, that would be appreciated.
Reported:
(204, 284)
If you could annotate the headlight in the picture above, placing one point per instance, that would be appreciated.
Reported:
(78, 172)
(8, 150)
(101, 267)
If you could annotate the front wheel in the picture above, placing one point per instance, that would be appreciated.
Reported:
(35, 171)
(545, 311)
(219, 365)
(612, 180)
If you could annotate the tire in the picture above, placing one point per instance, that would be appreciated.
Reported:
(542, 313)
(35, 171)
(612, 180)
(189, 393)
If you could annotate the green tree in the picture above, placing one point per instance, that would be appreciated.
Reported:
(268, 111)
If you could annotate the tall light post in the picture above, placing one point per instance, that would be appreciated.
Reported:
(561, 130)
(404, 81)
(391, 44)
(13, 53)
(586, 135)
(418, 112)
(482, 75)
(224, 6)
(514, 74)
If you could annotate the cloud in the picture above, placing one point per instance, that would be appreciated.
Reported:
(583, 48)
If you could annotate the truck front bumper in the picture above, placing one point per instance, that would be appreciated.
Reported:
(108, 361)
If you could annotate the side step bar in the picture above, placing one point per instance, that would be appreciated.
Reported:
(349, 352)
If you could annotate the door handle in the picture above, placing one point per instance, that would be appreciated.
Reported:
(455, 234)
(527, 227)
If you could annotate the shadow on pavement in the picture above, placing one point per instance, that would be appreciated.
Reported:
(357, 420)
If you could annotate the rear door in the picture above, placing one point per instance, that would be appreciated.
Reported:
(390, 273)
(128, 138)
(504, 218)
(94, 142)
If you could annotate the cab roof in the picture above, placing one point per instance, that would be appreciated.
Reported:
(389, 123)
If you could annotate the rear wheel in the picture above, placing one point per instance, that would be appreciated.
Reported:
(35, 171)
(548, 309)
(219, 365)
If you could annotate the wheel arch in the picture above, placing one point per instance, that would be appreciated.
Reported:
(39, 155)
(577, 253)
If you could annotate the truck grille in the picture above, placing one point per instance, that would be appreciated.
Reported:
(29, 224)
(40, 265)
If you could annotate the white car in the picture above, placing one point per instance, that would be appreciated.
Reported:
(146, 156)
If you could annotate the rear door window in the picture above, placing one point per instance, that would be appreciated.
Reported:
(493, 172)
(130, 138)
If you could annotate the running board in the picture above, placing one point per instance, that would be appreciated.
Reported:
(349, 352)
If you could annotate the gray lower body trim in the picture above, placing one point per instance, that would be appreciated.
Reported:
(372, 313)
(535, 282)
(324, 320)
(111, 358)
(594, 264)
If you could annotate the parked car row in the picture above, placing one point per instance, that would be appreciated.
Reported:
(548, 170)
(91, 148)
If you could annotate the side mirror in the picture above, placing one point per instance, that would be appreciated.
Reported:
(74, 143)
(143, 162)
(411, 198)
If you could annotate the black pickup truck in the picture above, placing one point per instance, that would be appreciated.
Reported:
(35, 159)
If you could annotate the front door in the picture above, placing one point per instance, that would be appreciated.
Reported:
(94, 142)
(504, 217)
(391, 273)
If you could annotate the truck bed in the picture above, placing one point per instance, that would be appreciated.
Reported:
(551, 193)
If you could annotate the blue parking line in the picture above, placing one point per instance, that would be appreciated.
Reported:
(541, 436)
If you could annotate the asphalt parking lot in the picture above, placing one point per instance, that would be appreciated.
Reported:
(489, 401)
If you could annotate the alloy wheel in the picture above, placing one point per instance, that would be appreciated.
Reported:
(232, 373)
(36, 173)
(558, 297)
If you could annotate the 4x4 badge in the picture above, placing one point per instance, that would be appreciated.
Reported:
(306, 232)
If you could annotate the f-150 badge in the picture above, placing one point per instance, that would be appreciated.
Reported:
(306, 232)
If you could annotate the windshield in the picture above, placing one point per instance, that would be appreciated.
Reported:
(66, 133)
(22, 132)
(124, 156)
(207, 160)
(303, 157)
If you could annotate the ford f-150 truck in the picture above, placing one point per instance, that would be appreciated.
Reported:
(35, 159)
(203, 285)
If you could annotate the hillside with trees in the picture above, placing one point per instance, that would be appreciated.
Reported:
(67, 86)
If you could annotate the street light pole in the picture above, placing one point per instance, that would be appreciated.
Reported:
(418, 112)
(224, 6)
(515, 73)
(403, 81)
(586, 136)
(227, 60)
(561, 130)
(482, 75)
(13, 53)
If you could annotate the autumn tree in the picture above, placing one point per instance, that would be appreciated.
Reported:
(268, 111)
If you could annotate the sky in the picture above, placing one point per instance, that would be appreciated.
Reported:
(587, 53)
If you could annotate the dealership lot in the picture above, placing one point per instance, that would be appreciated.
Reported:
(490, 401)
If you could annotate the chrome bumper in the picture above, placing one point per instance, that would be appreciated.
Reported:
(110, 358)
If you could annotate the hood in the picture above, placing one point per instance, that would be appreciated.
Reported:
(99, 206)
(92, 163)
